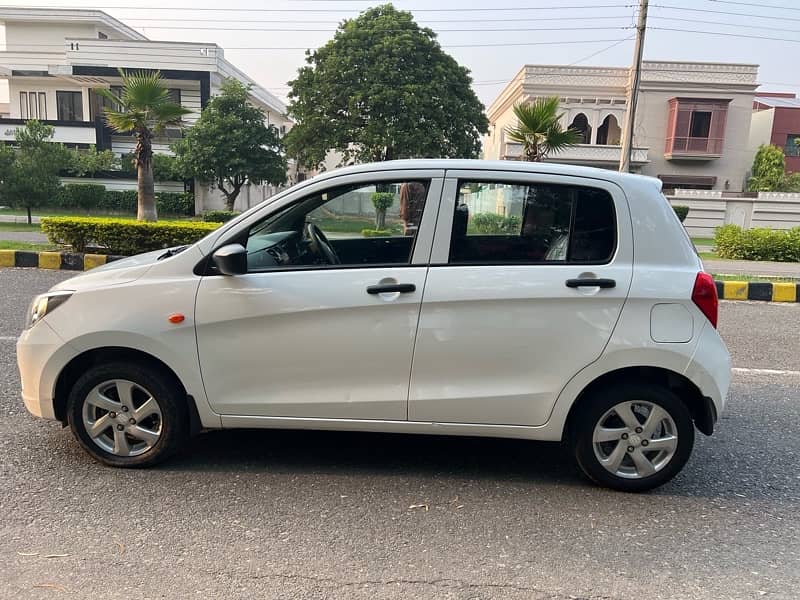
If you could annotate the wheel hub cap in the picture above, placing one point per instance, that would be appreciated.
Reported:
(635, 439)
(122, 418)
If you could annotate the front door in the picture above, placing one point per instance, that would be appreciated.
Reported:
(323, 324)
(511, 310)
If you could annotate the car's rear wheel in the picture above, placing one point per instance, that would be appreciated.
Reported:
(632, 437)
(127, 415)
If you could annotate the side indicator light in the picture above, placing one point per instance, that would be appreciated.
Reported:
(176, 318)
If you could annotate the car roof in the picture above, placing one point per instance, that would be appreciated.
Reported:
(621, 179)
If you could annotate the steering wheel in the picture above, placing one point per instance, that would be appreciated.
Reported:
(320, 244)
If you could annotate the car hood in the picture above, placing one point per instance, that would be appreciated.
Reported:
(117, 272)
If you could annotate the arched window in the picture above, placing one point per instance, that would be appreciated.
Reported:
(609, 132)
(581, 124)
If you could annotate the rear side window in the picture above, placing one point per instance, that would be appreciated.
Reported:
(509, 223)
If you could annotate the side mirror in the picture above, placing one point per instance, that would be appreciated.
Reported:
(231, 259)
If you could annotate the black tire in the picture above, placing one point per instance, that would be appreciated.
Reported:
(173, 419)
(592, 410)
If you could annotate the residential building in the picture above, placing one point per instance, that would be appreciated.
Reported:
(692, 119)
(54, 59)
(776, 121)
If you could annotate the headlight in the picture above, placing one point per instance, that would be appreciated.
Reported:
(44, 304)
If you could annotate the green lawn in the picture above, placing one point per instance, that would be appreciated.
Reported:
(709, 255)
(699, 241)
(764, 278)
(6, 245)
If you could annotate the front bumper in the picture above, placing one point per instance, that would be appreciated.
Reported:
(41, 356)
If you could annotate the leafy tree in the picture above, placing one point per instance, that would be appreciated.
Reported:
(231, 145)
(90, 162)
(30, 177)
(768, 173)
(539, 130)
(383, 89)
(769, 169)
(144, 109)
(381, 201)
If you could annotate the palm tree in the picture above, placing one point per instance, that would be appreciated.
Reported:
(539, 131)
(144, 109)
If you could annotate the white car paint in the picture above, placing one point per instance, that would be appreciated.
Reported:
(308, 349)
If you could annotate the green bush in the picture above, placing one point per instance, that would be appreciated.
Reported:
(681, 211)
(491, 223)
(85, 196)
(376, 233)
(219, 216)
(759, 243)
(122, 236)
(94, 197)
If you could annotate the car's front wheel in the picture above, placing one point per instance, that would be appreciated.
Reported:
(127, 415)
(632, 437)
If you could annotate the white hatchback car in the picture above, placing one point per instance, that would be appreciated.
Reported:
(503, 299)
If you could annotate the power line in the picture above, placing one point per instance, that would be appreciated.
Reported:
(722, 12)
(382, 31)
(678, 19)
(331, 10)
(756, 5)
(336, 23)
(738, 35)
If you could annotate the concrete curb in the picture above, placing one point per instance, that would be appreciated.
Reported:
(66, 261)
(726, 290)
(757, 290)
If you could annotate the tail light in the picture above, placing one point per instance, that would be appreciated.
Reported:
(704, 295)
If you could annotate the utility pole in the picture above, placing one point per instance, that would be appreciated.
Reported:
(633, 90)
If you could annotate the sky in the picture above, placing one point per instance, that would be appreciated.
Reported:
(267, 39)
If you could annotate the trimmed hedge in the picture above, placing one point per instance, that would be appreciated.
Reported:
(681, 211)
(90, 196)
(219, 216)
(758, 244)
(371, 233)
(491, 223)
(122, 236)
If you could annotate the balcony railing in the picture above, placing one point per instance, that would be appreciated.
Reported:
(694, 147)
(65, 132)
(585, 154)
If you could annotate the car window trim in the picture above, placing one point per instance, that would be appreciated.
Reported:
(453, 179)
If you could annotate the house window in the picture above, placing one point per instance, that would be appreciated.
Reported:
(792, 147)
(700, 124)
(175, 95)
(33, 105)
(696, 127)
(69, 106)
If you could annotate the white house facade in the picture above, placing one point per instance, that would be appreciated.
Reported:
(692, 119)
(54, 59)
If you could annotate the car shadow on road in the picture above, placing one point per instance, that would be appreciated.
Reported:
(378, 454)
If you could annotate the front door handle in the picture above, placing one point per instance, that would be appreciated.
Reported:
(591, 282)
(388, 288)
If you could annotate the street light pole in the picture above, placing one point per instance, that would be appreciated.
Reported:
(633, 89)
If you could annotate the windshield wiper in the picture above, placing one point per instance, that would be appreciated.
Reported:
(173, 251)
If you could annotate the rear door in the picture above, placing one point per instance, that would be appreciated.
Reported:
(528, 277)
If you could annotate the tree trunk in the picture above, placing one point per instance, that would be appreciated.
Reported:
(230, 197)
(146, 192)
(380, 219)
(29, 215)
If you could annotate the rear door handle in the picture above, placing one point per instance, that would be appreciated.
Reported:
(384, 288)
(590, 282)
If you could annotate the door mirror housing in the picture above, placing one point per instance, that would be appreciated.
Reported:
(231, 259)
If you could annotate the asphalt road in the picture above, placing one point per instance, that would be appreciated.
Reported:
(261, 514)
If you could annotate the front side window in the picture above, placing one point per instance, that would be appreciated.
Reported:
(356, 225)
(69, 106)
(507, 223)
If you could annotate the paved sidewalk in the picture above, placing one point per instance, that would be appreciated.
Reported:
(748, 267)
